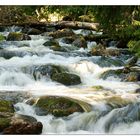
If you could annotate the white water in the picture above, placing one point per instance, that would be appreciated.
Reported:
(12, 78)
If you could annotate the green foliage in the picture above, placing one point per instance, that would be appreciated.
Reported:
(134, 46)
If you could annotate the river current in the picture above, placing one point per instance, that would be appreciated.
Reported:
(101, 119)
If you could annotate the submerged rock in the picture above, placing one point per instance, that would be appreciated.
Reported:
(66, 78)
(15, 36)
(57, 106)
(132, 77)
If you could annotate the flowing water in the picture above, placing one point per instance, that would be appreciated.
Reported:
(122, 117)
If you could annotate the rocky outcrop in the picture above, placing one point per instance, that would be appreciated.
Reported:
(15, 36)
(57, 106)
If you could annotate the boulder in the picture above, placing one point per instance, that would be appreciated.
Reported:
(2, 37)
(54, 45)
(66, 78)
(6, 106)
(80, 42)
(122, 44)
(57, 106)
(132, 77)
(115, 73)
(47, 70)
(98, 50)
(22, 124)
(34, 31)
(61, 33)
(15, 36)
(6, 113)
(68, 40)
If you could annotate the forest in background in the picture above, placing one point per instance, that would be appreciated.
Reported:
(117, 22)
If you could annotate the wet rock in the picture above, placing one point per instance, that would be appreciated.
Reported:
(80, 42)
(68, 40)
(98, 50)
(34, 31)
(121, 44)
(132, 61)
(61, 33)
(115, 73)
(132, 77)
(57, 106)
(101, 50)
(66, 78)
(6, 106)
(6, 113)
(112, 52)
(4, 123)
(47, 70)
(53, 44)
(14, 36)
(23, 124)
(137, 90)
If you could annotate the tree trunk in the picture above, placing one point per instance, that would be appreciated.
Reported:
(58, 25)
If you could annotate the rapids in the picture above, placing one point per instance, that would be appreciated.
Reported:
(119, 118)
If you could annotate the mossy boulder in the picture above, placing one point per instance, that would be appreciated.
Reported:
(115, 73)
(6, 113)
(2, 37)
(6, 106)
(66, 78)
(61, 33)
(57, 106)
(98, 50)
(4, 123)
(53, 44)
(15, 36)
(80, 42)
(47, 70)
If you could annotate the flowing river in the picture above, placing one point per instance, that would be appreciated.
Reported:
(121, 118)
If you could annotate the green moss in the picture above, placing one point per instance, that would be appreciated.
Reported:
(2, 37)
(6, 106)
(4, 123)
(58, 106)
